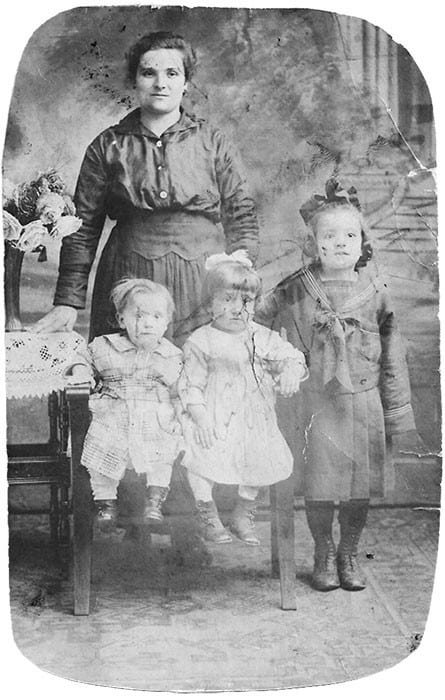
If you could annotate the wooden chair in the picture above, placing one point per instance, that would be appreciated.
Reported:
(282, 516)
(35, 367)
(47, 464)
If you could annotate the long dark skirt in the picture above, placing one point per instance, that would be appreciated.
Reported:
(183, 279)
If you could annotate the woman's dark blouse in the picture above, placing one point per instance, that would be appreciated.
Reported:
(127, 171)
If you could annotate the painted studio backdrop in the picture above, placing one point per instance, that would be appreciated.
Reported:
(305, 95)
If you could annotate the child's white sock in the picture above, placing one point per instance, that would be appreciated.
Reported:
(248, 492)
(104, 487)
(201, 487)
(160, 475)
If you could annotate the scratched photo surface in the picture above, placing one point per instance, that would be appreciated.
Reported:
(305, 96)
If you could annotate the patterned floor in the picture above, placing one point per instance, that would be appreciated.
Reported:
(161, 624)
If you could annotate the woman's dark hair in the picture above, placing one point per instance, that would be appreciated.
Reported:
(160, 40)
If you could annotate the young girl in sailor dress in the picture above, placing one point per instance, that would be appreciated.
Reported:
(340, 315)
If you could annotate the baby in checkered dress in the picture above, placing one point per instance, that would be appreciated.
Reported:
(133, 416)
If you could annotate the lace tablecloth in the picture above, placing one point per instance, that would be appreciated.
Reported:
(36, 364)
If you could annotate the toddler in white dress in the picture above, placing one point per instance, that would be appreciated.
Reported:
(233, 368)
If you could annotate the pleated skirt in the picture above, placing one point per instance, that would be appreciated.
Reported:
(345, 448)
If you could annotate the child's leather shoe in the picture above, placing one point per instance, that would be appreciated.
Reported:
(156, 496)
(210, 526)
(106, 514)
(242, 521)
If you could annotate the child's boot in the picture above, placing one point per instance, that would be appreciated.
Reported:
(352, 518)
(210, 525)
(156, 496)
(106, 514)
(320, 515)
(242, 521)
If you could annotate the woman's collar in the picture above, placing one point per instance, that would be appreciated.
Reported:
(132, 124)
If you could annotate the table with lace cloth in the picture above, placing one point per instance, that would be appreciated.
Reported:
(36, 366)
(36, 363)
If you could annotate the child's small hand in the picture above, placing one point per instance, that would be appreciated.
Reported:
(205, 433)
(289, 379)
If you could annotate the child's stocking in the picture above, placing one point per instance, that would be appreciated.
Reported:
(104, 488)
(248, 492)
(201, 487)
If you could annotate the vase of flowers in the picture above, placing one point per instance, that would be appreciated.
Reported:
(13, 268)
(34, 213)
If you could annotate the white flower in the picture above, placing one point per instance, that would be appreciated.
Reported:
(64, 226)
(49, 207)
(8, 188)
(12, 227)
(33, 235)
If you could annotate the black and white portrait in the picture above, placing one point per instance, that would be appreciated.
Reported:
(222, 346)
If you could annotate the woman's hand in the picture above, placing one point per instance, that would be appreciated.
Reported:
(60, 318)
(205, 433)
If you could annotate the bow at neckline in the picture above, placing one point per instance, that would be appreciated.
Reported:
(335, 326)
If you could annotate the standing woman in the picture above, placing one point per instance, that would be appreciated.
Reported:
(173, 184)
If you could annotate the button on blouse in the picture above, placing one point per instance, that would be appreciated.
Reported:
(127, 170)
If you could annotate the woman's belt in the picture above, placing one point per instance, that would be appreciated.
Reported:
(154, 234)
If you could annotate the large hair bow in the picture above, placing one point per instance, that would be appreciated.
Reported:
(334, 194)
(239, 256)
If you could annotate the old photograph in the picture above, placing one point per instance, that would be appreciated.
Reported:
(222, 348)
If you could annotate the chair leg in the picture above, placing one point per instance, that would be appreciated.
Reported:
(82, 504)
(64, 522)
(54, 516)
(82, 540)
(286, 542)
(64, 529)
(274, 532)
